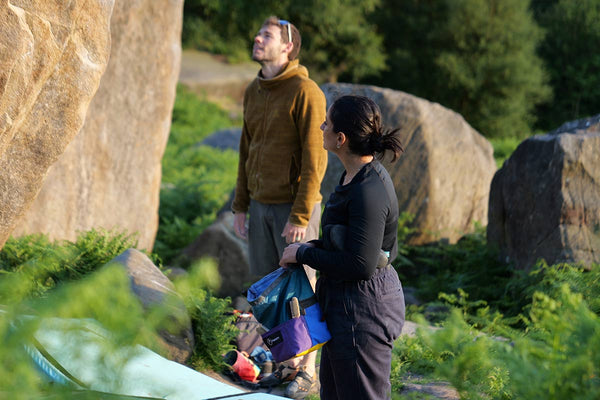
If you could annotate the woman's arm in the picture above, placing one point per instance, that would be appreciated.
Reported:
(367, 212)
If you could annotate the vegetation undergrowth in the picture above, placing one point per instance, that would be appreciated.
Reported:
(41, 280)
(197, 179)
(43, 263)
(87, 303)
(212, 317)
(470, 266)
(550, 358)
(503, 148)
(496, 329)
(35, 272)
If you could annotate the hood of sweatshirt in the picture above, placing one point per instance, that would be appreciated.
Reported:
(293, 68)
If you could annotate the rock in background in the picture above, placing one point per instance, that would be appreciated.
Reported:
(545, 200)
(219, 242)
(51, 62)
(443, 179)
(224, 139)
(152, 287)
(109, 177)
(444, 176)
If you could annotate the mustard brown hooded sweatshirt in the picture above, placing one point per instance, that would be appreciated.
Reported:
(282, 159)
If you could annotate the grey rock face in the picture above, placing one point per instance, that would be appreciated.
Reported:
(219, 242)
(52, 59)
(224, 139)
(444, 176)
(545, 200)
(151, 287)
(109, 177)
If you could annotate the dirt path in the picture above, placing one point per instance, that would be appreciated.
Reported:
(219, 81)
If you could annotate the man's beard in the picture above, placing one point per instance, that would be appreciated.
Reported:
(264, 56)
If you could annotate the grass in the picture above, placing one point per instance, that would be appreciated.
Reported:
(197, 180)
(503, 148)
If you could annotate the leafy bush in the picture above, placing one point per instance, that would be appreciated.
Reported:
(467, 359)
(549, 280)
(42, 263)
(64, 279)
(212, 319)
(551, 359)
(198, 34)
(411, 356)
(34, 269)
(470, 265)
(503, 148)
(500, 329)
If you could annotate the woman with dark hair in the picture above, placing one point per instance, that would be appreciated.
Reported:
(358, 290)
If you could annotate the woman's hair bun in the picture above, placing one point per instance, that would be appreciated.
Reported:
(359, 118)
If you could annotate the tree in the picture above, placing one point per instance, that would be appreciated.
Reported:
(337, 39)
(340, 42)
(571, 51)
(411, 44)
(222, 27)
(475, 57)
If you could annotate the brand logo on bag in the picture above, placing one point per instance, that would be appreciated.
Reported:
(274, 339)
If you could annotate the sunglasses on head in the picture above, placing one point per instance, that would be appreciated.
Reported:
(283, 22)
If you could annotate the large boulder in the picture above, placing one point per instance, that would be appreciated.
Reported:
(52, 58)
(545, 200)
(443, 178)
(109, 177)
(152, 287)
(220, 243)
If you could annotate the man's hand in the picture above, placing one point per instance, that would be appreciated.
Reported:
(293, 233)
(239, 225)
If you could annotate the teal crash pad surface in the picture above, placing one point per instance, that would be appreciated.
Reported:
(78, 352)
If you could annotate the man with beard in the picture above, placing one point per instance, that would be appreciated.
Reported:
(281, 165)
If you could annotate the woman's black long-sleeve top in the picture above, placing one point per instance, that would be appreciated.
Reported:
(368, 208)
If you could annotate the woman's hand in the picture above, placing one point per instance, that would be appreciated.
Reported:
(289, 253)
